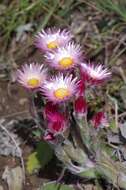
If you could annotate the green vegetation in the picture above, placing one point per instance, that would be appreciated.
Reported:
(117, 7)
(106, 20)
(38, 12)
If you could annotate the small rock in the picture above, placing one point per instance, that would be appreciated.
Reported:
(123, 129)
(23, 101)
(113, 138)
(21, 35)
(13, 177)
(7, 146)
(1, 188)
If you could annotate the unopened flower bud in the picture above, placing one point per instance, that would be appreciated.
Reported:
(99, 120)
(80, 106)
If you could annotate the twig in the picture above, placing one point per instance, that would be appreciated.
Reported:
(116, 49)
(116, 113)
(122, 74)
(34, 112)
(14, 114)
(17, 147)
(18, 114)
(116, 109)
(61, 175)
(79, 187)
(122, 114)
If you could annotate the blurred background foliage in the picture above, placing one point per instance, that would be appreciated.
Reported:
(98, 25)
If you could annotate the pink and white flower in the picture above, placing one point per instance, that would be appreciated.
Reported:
(94, 74)
(65, 57)
(50, 39)
(31, 76)
(60, 88)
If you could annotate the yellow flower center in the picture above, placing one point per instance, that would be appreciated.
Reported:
(33, 82)
(66, 62)
(52, 45)
(61, 93)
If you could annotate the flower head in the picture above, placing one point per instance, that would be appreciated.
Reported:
(99, 120)
(51, 39)
(65, 57)
(60, 88)
(31, 76)
(94, 74)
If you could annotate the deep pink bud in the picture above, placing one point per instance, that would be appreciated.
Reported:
(84, 75)
(56, 117)
(99, 120)
(57, 123)
(49, 109)
(80, 106)
(81, 87)
(56, 127)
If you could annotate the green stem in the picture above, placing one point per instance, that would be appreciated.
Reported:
(33, 110)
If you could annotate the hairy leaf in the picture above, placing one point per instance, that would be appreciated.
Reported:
(39, 158)
(54, 186)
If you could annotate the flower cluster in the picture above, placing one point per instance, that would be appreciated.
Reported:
(63, 91)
